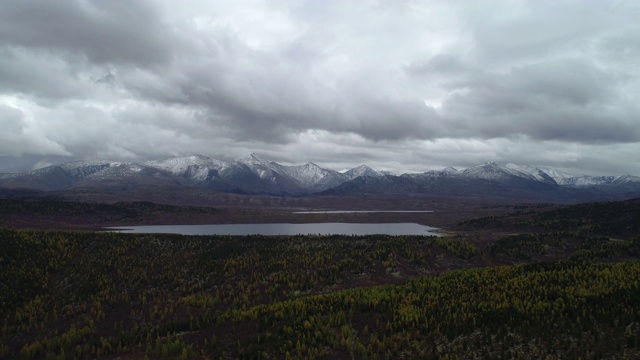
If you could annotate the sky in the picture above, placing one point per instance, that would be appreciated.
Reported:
(402, 86)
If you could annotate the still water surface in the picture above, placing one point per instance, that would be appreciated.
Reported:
(361, 211)
(284, 229)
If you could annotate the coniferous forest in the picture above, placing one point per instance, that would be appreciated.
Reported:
(532, 283)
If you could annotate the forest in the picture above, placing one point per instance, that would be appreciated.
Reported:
(534, 282)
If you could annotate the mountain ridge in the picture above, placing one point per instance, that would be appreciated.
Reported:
(258, 175)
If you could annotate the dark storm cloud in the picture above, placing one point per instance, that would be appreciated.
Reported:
(415, 83)
(103, 31)
(567, 99)
(41, 75)
(268, 98)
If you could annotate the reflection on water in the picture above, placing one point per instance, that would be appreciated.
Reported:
(284, 229)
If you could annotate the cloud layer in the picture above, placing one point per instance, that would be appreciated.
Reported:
(402, 86)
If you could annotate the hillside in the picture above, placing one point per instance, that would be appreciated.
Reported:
(573, 292)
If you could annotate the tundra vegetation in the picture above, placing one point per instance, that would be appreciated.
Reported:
(567, 286)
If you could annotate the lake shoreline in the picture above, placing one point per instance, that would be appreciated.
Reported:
(284, 229)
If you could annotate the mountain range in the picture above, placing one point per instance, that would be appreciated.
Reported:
(258, 176)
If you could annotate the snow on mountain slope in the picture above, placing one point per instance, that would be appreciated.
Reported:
(624, 179)
(448, 171)
(255, 159)
(573, 180)
(262, 167)
(528, 172)
(55, 177)
(497, 171)
(257, 175)
(310, 174)
(242, 175)
(85, 167)
(362, 170)
(274, 174)
(586, 180)
(180, 164)
(117, 171)
(486, 171)
(558, 175)
(197, 167)
(74, 169)
(306, 176)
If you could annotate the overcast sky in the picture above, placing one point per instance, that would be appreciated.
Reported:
(406, 86)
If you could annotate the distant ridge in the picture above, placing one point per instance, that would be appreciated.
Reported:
(258, 175)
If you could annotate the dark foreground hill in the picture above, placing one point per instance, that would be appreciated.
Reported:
(84, 295)
(78, 295)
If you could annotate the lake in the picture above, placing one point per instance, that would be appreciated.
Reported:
(361, 211)
(284, 229)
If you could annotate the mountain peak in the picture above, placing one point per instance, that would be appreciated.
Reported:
(255, 159)
(255, 174)
(363, 167)
(197, 157)
(493, 170)
(362, 170)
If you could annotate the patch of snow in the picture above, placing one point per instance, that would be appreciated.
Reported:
(497, 171)
(362, 170)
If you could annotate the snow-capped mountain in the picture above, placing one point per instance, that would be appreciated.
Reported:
(309, 171)
(504, 180)
(448, 171)
(586, 180)
(55, 177)
(362, 170)
(313, 176)
(567, 179)
(257, 175)
(490, 171)
(251, 175)
(193, 167)
(556, 174)
(493, 171)
(261, 167)
(309, 177)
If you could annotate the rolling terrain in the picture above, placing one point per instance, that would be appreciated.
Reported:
(509, 281)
